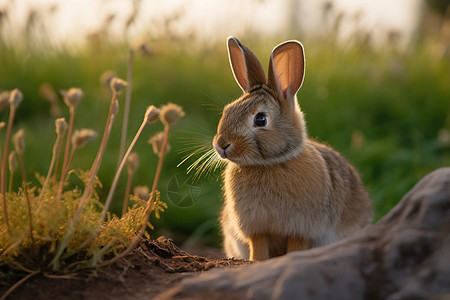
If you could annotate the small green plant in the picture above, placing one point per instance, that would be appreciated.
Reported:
(55, 229)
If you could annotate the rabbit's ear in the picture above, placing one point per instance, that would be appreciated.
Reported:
(246, 67)
(287, 68)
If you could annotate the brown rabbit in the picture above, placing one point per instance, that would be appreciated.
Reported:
(283, 191)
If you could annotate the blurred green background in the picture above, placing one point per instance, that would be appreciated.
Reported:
(385, 108)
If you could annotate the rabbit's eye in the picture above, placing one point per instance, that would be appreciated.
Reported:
(260, 120)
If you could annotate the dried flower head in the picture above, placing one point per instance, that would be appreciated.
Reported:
(12, 159)
(133, 162)
(171, 113)
(2, 124)
(156, 142)
(81, 137)
(106, 77)
(47, 92)
(19, 141)
(142, 192)
(143, 47)
(151, 114)
(444, 137)
(4, 100)
(72, 96)
(61, 126)
(118, 84)
(15, 97)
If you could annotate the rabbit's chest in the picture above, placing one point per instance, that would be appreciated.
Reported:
(270, 187)
(276, 199)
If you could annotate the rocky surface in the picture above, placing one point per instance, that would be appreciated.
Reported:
(406, 255)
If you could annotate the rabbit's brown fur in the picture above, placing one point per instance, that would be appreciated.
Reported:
(283, 191)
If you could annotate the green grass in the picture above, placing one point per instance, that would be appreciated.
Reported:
(382, 109)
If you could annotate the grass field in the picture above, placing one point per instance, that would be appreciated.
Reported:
(386, 111)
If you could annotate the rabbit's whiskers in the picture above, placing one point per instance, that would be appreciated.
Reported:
(208, 162)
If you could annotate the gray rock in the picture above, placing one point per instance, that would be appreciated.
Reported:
(406, 255)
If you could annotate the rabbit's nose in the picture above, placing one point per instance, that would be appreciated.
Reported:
(221, 146)
(225, 147)
(222, 143)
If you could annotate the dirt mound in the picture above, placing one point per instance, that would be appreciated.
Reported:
(150, 269)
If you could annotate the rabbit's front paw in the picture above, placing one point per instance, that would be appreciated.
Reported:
(259, 247)
(297, 243)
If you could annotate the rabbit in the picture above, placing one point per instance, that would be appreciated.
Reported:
(283, 191)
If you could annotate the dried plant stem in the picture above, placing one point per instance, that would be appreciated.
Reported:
(162, 154)
(72, 110)
(126, 112)
(68, 139)
(150, 202)
(127, 192)
(12, 113)
(90, 183)
(58, 155)
(27, 197)
(69, 163)
(119, 170)
(56, 152)
(11, 177)
(98, 159)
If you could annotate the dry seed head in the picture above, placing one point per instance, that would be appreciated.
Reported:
(143, 47)
(106, 77)
(133, 162)
(118, 84)
(142, 192)
(444, 137)
(61, 126)
(4, 100)
(156, 142)
(47, 92)
(15, 97)
(2, 124)
(151, 114)
(55, 110)
(72, 96)
(12, 159)
(81, 137)
(171, 113)
(19, 141)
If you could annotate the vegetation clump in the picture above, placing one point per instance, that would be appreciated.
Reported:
(56, 229)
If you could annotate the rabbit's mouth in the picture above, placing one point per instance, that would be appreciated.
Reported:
(228, 153)
(237, 150)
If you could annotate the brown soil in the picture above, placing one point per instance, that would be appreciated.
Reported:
(149, 270)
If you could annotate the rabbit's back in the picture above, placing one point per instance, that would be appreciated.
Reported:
(348, 190)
